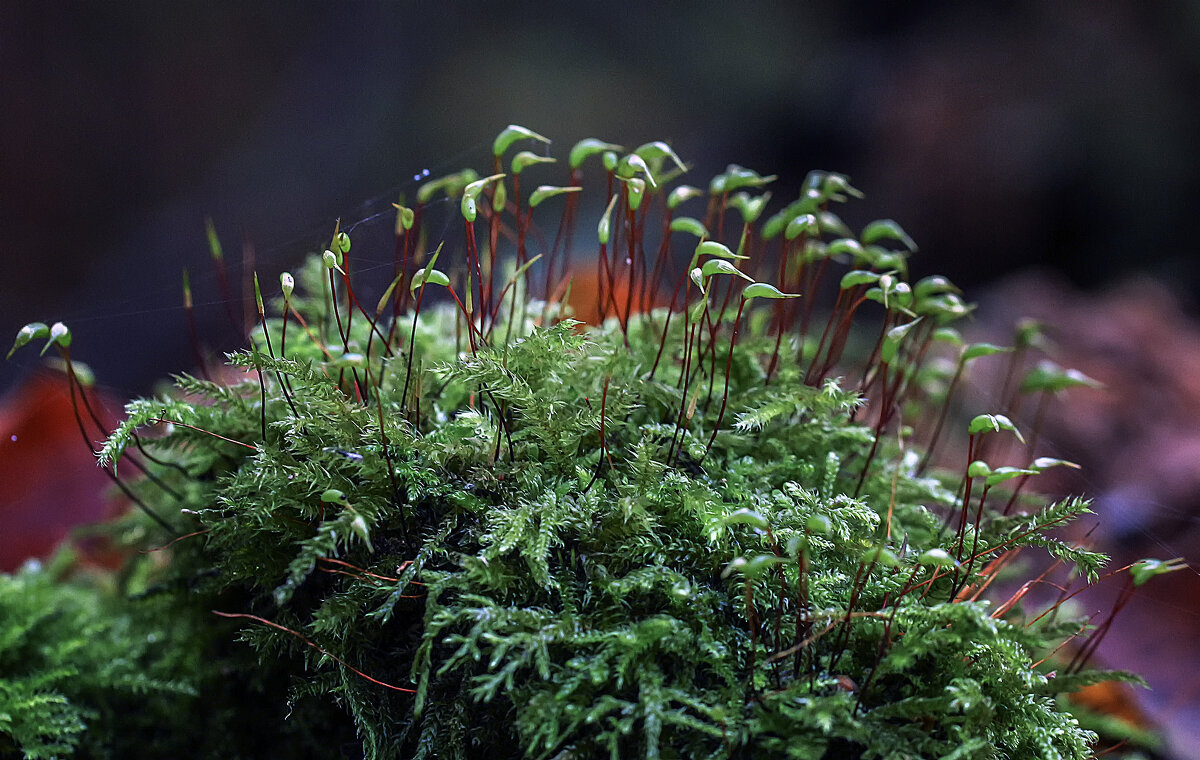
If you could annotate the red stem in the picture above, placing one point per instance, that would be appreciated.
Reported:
(728, 363)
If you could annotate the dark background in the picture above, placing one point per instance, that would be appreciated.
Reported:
(1053, 134)
(1057, 135)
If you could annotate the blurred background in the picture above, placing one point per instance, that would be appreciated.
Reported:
(1052, 141)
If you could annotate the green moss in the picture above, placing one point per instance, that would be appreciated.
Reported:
(713, 538)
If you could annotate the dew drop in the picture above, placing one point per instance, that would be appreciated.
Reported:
(14, 438)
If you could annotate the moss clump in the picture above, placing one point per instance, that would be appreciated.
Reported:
(472, 528)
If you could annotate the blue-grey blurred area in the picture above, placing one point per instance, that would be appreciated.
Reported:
(1060, 134)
